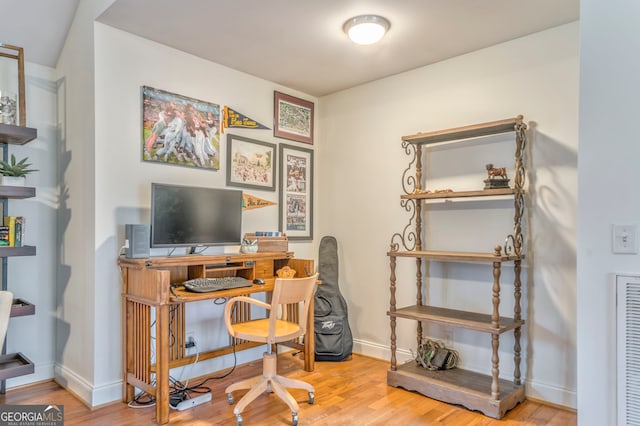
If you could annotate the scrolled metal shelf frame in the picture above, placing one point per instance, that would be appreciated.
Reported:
(514, 243)
(409, 238)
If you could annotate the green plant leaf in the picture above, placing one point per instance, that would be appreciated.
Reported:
(16, 168)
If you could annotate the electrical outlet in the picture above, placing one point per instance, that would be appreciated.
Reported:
(190, 343)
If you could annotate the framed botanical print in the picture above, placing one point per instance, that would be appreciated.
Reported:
(251, 163)
(293, 118)
(296, 192)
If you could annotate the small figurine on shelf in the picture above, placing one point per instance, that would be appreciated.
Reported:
(496, 177)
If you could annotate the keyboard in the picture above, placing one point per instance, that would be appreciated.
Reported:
(205, 285)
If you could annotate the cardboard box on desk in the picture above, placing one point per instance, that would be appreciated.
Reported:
(269, 243)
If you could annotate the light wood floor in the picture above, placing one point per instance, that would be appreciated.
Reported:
(353, 392)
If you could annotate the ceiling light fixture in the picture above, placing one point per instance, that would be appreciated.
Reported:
(366, 29)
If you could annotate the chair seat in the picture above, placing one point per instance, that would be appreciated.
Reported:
(258, 330)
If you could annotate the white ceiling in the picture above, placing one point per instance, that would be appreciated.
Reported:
(39, 26)
(299, 44)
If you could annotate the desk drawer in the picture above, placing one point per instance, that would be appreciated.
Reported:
(264, 269)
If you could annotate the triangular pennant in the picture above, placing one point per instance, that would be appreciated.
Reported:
(250, 202)
(232, 118)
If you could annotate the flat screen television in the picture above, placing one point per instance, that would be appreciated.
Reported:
(188, 216)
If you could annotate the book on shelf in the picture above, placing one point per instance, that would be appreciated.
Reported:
(19, 231)
(4, 236)
(12, 231)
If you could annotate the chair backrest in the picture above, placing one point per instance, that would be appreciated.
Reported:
(6, 300)
(287, 291)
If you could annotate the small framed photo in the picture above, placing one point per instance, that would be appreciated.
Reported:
(296, 192)
(293, 118)
(251, 163)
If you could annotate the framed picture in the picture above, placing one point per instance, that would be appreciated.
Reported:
(251, 163)
(296, 192)
(293, 118)
(180, 131)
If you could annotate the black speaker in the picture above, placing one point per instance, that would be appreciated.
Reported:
(137, 241)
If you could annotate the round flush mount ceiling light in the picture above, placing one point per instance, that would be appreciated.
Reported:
(366, 29)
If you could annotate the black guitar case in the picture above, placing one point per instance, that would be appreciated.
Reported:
(334, 341)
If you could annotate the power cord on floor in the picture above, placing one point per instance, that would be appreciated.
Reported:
(179, 391)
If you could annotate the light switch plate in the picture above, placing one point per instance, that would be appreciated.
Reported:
(625, 239)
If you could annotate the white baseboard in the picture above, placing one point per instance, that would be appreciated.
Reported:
(551, 393)
(74, 383)
(376, 350)
(539, 391)
(92, 395)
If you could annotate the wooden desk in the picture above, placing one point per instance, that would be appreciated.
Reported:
(147, 284)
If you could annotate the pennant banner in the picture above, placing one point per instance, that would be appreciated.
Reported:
(232, 118)
(251, 202)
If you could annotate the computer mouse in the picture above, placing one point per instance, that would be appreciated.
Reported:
(258, 281)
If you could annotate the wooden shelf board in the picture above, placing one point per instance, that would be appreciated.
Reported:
(17, 135)
(455, 256)
(459, 194)
(21, 307)
(456, 386)
(465, 132)
(14, 365)
(17, 251)
(17, 191)
(456, 318)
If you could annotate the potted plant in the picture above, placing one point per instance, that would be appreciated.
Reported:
(13, 173)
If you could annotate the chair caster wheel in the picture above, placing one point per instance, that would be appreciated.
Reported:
(238, 420)
(230, 398)
(312, 398)
(294, 419)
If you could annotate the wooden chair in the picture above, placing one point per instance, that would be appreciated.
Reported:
(6, 300)
(274, 329)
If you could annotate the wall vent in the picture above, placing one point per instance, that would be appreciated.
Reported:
(628, 349)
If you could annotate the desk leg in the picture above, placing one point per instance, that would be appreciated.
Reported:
(128, 391)
(310, 341)
(162, 363)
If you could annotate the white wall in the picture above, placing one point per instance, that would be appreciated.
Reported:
(34, 278)
(125, 63)
(360, 164)
(608, 191)
(77, 300)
